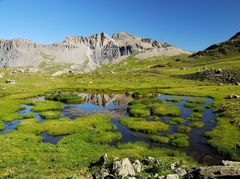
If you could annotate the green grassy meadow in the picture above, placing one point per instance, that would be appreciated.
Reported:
(23, 155)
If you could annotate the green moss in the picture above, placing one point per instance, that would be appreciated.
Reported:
(174, 99)
(178, 120)
(50, 114)
(196, 116)
(196, 124)
(165, 110)
(2, 126)
(160, 139)
(197, 101)
(199, 109)
(138, 110)
(140, 125)
(229, 136)
(184, 129)
(27, 116)
(65, 97)
(190, 105)
(180, 142)
(47, 106)
(178, 135)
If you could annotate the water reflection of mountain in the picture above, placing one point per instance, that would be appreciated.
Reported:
(105, 99)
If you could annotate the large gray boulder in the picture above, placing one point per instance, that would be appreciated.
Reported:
(124, 168)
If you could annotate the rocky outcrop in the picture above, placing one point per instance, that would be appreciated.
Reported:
(87, 52)
(229, 47)
(113, 167)
(216, 76)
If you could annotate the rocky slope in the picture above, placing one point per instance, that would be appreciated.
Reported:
(87, 52)
(229, 47)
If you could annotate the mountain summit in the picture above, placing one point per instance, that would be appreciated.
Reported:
(86, 52)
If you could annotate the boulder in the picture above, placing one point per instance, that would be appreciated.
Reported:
(124, 168)
(10, 81)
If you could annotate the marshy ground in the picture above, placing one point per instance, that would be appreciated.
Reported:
(61, 134)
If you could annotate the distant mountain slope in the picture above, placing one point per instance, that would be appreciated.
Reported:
(87, 53)
(229, 47)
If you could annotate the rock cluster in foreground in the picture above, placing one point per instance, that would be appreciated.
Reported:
(113, 167)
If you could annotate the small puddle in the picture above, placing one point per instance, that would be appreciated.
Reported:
(9, 126)
(51, 139)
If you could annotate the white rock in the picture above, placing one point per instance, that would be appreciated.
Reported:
(137, 166)
(180, 171)
(124, 168)
(172, 176)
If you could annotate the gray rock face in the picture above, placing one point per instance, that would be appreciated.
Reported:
(88, 52)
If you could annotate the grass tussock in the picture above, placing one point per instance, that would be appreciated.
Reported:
(65, 97)
(148, 127)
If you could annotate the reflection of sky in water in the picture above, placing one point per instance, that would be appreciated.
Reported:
(93, 107)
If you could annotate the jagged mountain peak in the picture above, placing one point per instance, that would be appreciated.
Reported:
(88, 52)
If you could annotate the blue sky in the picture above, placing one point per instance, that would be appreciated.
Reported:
(189, 24)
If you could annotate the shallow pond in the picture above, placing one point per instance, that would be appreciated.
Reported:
(115, 105)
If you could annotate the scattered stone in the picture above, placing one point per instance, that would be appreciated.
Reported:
(219, 71)
(177, 60)
(172, 176)
(124, 168)
(183, 68)
(1, 76)
(217, 76)
(238, 83)
(21, 70)
(10, 81)
(234, 96)
(150, 160)
(181, 172)
(219, 172)
(175, 165)
(13, 72)
(137, 166)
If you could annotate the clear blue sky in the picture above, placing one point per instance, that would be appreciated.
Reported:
(189, 24)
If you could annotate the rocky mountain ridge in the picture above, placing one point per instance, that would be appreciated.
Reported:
(229, 47)
(87, 52)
